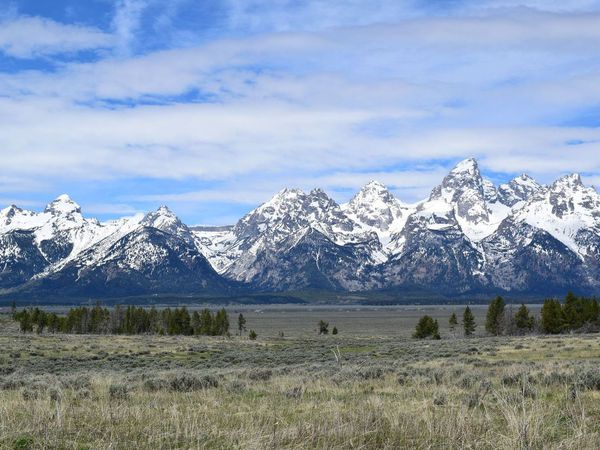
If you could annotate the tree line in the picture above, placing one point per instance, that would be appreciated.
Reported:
(128, 320)
(575, 314)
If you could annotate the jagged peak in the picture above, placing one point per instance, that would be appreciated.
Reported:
(375, 185)
(466, 166)
(524, 177)
(571, 181)
(373, 191)
(160, 213)
(165, 210)
(289, 191)
(10, 209)
(318, 192)
(63, 204)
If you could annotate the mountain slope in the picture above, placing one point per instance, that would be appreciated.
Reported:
(145, 260)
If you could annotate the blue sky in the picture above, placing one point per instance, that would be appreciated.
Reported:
(213, 106)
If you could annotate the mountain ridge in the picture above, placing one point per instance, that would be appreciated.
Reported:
(468, 236)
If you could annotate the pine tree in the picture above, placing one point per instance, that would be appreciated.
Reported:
(552, 320)
(252, 335)
(469, 324)
(453, 323)
(195, 323)
(427, 327)
(241, 324)
(334, 331)
(573, 314)
(523, 320)
(206, 322)
(323, 327)
(495, 316)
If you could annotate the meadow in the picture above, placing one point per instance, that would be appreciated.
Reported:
(370, 386)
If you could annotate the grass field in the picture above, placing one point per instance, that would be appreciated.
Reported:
(371, 386)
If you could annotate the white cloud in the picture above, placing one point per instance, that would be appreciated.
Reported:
(29, 37)
(334, 108)
(126, 23)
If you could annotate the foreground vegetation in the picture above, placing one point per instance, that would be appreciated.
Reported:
(319, 391)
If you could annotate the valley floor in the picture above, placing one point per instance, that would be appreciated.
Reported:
(300, 391)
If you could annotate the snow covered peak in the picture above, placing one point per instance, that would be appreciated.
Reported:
(572, 182)
(463, 188)
(466, 198)
(13, 217)
(10, 211)
(165, 211)
(62, 205)
(374, 206)
(165, 220)
(467, 166)
(565, 209)
(519, 189)
(374, 186)
(292, 211)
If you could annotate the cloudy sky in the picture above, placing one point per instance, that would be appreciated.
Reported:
(212, 106)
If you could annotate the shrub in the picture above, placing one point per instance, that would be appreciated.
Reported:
(260, 375)
(118, 392)
(439, 399)
(295, 392)
(187, 382)
(30, 394)
(155, 384)
(370, 373)
(237, 386)
(252, 335)
(23, 443)
(590, 379)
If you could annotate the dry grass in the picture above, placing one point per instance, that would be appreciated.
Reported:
(100, 392)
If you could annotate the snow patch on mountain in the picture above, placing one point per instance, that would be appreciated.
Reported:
(564, 209)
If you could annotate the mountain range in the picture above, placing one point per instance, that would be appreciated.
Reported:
(468, 237)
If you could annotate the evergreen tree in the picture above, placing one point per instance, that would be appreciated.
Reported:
(495, 316)
(13, 309)
(323, 327)
(196, 323)
(573, 312)
(206, 322)
(552, 319)
(469, 324)
(427, 327)
(453, 323)
(221, 323)
(25, 323)
(334, 331)
(38, 318)
(241, 324)
(523, 320)
(252, 335)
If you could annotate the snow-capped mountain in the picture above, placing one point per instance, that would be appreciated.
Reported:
(57, 234)
(376, 209)
(469, 236)
(519, 189)
(310, 227)
(154, 255)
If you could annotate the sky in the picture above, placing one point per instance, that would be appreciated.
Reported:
(213, 106)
